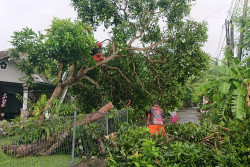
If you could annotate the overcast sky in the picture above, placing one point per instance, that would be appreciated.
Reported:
(37, 14)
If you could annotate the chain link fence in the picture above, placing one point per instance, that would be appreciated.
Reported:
(57, 141)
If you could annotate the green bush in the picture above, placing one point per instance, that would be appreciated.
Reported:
(188, 145)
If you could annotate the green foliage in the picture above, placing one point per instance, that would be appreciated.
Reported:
(157, 70)
(63, 109)
(39, 105)
(188, 145)
(158, 73)
(64, 42)
(242, 24)
(238, 103)
(226, 90)
(4, 128)
(31, 131)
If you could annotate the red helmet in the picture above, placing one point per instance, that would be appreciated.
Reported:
(99, 44)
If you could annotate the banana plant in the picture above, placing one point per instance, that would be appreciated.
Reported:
(227, 88)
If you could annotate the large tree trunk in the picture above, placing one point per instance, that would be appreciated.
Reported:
(47, 147)
(56, 94)
(28, 149)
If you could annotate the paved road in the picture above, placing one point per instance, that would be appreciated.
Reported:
(187, 115)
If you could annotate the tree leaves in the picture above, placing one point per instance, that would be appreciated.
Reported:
(227, 89)
(238, 103)
(135, 29)
(65, 41)
(224, 88)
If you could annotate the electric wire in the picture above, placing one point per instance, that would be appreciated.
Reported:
(221, 47)
(236, 6)
(233, 8)
(220, 40)
(215, 12)
(229, 11)
(210, 42)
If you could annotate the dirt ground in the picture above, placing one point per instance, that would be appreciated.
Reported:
(92, 162)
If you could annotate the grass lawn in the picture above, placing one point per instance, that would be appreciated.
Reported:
(34, 161)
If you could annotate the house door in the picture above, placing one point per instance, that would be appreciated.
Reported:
(13, 107)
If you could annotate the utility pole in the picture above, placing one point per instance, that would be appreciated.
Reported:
(229, 37)
(227, 32)
(227, 25)
(242, 32)
(232, 37)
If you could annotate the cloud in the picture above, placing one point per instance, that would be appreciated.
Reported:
(35, 14)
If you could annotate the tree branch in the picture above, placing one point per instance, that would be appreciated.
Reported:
(149, 47)
(116, 68)
(83, 71)
(59, 74)
(142, 31)
(139, 79)
(91, 80)
(71, 72)
(157, 74)
(153, 61)
(106, 40)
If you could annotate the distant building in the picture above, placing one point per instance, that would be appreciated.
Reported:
(11, 84)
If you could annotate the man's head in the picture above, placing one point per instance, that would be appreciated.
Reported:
(157, 103)
(99, 44)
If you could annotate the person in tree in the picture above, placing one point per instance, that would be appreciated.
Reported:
(97, 56)
(155, 119)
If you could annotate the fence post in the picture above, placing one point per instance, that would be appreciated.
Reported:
(73, 142)
(107, 123)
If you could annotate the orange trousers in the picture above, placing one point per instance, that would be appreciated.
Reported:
(155, 128)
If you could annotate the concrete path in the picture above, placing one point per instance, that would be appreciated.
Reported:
(187, 115)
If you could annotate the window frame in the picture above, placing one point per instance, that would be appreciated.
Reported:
(1, 65)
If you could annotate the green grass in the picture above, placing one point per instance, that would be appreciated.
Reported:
(42, 161)
(34, 161)
(5, 140)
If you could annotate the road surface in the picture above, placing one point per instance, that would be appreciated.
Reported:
(187, 115)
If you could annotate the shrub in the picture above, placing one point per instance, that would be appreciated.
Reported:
(188, 145)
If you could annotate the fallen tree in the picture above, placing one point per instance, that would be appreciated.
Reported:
(50, 145)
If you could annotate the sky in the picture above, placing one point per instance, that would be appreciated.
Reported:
(37, 14)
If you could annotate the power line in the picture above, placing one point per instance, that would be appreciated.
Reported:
(220, 39)
(221, 47)
(216, 12)
(229, 11)
(214, 37)
(236, 6)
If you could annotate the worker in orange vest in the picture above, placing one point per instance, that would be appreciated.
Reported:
(97, 56)
(155, 119)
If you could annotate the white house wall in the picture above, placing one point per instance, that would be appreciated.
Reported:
(11, 73)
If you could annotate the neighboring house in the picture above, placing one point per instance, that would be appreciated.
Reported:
(11, 84)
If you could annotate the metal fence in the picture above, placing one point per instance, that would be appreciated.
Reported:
(57, 141)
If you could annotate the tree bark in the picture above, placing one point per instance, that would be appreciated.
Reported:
(56, 94)
(89, 118)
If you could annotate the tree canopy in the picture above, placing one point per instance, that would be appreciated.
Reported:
(152, 50)
(157, 47)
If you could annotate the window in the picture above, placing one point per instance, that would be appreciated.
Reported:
(3, 65)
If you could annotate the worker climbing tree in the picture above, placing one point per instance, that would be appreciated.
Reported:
(97, 56)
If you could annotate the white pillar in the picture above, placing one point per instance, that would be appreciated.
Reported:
(25, 97)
